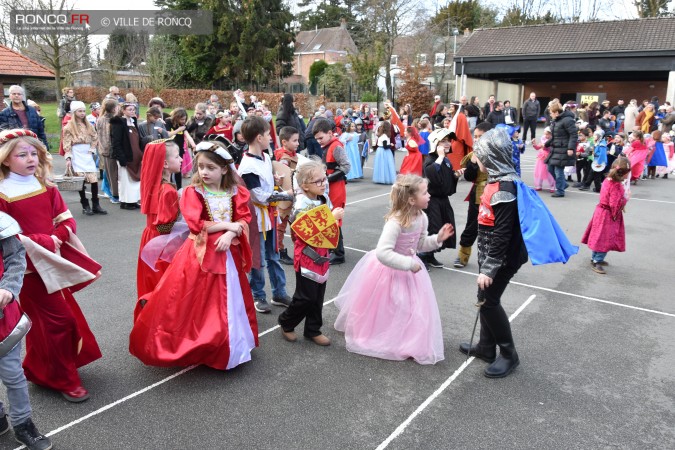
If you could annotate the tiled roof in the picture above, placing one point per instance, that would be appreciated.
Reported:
(15, 64)
(325, 39)
(587, 37)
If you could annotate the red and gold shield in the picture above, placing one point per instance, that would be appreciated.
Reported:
(317, 227)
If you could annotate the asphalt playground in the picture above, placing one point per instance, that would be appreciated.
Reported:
(596, 372)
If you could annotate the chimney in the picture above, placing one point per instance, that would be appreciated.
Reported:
(343, 23)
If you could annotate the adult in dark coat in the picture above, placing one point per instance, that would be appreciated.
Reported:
(531, 111)
(19, 115)
(288, 117)
(497, 116)
(126, 150)
(563, 145)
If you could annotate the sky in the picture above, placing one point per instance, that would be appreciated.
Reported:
(621, 9)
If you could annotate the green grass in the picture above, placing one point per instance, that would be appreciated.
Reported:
(53, 123)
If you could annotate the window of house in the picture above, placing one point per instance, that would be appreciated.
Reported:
(422, 59)
(439, 59)
(394, 60)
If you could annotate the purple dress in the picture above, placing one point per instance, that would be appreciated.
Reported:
(391, 313)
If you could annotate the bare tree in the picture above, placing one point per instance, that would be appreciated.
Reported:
(162, 66)
(60, 52)
(389, 20)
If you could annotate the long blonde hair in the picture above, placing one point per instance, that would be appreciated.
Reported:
(405, 187)
(44, 169)
(75, 131)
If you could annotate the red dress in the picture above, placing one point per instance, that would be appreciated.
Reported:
(201, 312)
(606, 230)
(156, 224)
(413, 162)
(60, 340)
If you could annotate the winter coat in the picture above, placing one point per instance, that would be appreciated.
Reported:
(564, 131)
(120, 138)
(9, 120)
(496, 117)
(292, 120)
(531, 109)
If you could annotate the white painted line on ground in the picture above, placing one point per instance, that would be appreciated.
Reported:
(366, 199)
(142, 391)
(401, 428)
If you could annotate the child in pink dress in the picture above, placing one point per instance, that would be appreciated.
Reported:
(541, 172)
(387, 305)
(606, 230)
(637, 154)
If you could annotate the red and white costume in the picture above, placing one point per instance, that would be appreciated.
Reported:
(202, 312)
(159, 202)
(60, 340)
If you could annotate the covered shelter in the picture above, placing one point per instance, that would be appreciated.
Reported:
(15, 68)
(583, 62)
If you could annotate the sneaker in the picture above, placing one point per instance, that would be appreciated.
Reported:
(433, 262)
(27, 434)
(77, 395)
(4, 425)
(262, 306)
(458, 264)
(556, 195)
(114, 200)
(577, 185)
(284, 301)
(584, 188)
(103, 194)
(597, 268)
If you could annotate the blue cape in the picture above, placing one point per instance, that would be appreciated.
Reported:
(545, 240)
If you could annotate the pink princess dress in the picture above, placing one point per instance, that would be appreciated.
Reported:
(541, 172)
(386, 310)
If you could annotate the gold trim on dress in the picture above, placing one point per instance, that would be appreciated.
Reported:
(42, 190)
(65, 215)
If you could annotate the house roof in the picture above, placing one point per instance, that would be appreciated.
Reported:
(587, 37)
(15, 64)
(325, 39)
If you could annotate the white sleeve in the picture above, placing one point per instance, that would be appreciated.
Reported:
(385, 248)
(427, 243)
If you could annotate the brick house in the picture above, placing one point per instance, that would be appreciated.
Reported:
(329, 44)
(15, 68)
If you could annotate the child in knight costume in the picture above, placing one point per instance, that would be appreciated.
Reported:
(14, 325)
(314, 232)
(513, 223)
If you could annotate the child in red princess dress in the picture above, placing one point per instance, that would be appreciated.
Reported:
(60, 340)
(202, 312)
(159, 202)
(412, 163)
(606, 230)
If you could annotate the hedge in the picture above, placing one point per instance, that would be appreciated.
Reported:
(188, 98)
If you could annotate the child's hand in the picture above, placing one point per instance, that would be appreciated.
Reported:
(57, 243)
(459, 173)
(416, 268)
(235, 227)
(534, 141)
(445, 232)
(224, 241)
(5, 297)
(338, 213)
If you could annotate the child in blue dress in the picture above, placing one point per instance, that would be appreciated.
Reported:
(384, 171)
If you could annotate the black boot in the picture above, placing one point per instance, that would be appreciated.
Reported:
(86, 209)
(485, 349)
(284, 258)
(338, 255)
(499, 326)
(96, 207)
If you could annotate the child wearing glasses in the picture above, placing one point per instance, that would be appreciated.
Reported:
(310, 263)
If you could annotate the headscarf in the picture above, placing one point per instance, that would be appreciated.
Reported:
(494, 151)
(415, 136)
(646, 122)
(152, 169)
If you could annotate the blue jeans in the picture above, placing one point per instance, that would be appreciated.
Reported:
(598, 256)
(268, 258)
(12, 376)
(559, 174)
